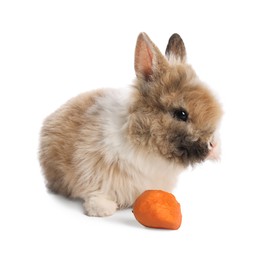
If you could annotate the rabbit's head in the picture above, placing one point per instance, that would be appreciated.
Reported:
(172, 112)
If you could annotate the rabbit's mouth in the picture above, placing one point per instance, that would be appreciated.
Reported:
(192, 153)
(188, 151)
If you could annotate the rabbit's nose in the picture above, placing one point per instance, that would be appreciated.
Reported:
(214, 150)
(211, 145)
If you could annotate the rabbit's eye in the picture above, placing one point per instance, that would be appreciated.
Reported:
(180, 114)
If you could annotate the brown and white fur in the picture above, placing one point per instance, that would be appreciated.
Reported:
(108, 146)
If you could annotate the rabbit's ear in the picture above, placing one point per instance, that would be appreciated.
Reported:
(175, 49)
(148, 59)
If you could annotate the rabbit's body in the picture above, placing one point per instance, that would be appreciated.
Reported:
(108, 146)
(86, 151)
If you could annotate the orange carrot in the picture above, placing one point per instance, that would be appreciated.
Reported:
(158, 209)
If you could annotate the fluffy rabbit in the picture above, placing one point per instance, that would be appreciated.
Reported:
(107, 146)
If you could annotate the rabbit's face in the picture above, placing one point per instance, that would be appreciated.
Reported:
(173, 113)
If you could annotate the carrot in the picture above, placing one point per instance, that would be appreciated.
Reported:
(158, 209)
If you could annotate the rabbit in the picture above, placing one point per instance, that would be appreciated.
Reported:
(107, 146)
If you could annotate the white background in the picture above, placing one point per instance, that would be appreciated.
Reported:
(52, 50)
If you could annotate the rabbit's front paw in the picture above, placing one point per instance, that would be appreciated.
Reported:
(99, 207)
